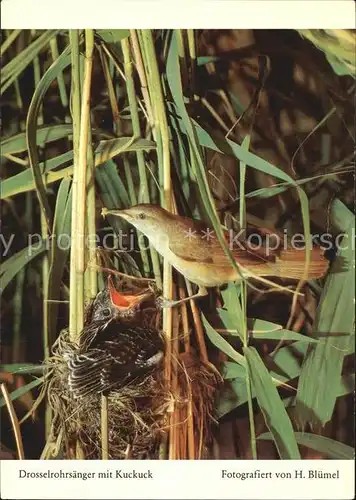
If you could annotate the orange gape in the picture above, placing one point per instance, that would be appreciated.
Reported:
(121, 300)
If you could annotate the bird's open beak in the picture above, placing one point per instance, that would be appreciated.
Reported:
(119, 213)
(125, 302)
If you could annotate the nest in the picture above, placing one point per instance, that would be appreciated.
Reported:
(135, 413)
(142, 415)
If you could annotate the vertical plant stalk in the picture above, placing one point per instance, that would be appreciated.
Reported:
(44, 233)
(75, 109)
(81, 117)
(104, 429)
(161, 123)
(190, 426)
(45, 264)
(194, 445)
(74, 328)
(60, 79)
(82, 179)
(193, 58)
(198, 326)
(162, 134)
(243, 299)
(45, 318)
(144, 195)
(176, 433)
(117, 129)
(109, 73)
(142, 75)
(90, 272)
(195, 311)
(37, 78)
(45, 276)
(161, 129)
(129, 180)
(80, 212)
(111, 91)
(144, 72)
(182, 58)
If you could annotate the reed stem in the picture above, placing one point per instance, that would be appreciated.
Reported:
(144, 195)
(75, 108)
(82, 169)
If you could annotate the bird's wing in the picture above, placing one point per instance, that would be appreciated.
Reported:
(187, 241)
(194, 241)
(92, 333)
(134, 346)
(124, 354)
(85, 372)
(98, 370)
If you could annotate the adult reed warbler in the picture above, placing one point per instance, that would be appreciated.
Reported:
(193, 249)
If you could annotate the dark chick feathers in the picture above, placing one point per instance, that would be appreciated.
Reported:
(112, 356)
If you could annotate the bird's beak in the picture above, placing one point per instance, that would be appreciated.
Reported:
(125, 302)
(119, 213)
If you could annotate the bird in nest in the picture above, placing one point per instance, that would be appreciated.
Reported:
(113, 350)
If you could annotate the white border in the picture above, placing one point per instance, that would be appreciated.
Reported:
(287, 14)
(183, 479)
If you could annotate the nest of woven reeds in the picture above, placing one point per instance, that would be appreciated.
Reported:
(140, 416)
(164, 413)
(135, 413)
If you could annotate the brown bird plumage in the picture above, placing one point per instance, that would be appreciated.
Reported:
(194, 250)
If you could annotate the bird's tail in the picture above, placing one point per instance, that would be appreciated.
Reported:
(291, 264)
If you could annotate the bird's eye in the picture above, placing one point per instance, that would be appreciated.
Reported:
(106, 312)
(141, 215)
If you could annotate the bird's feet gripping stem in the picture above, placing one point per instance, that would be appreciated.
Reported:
(161, 302)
